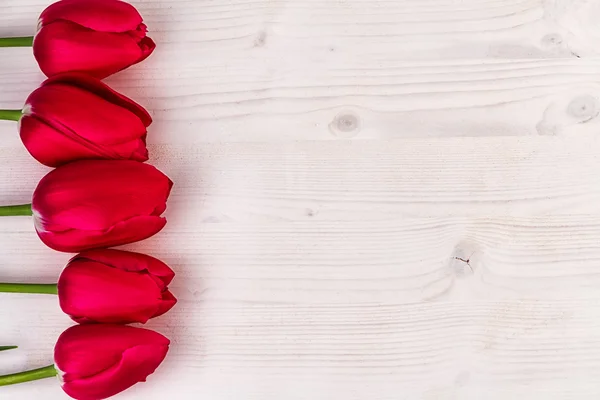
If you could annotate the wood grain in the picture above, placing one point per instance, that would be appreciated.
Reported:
(243, 71)
(396, 261)
(370, 180)
(373, 199)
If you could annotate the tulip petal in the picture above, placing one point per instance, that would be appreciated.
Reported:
(129, 231)
(129, 261)
(147, 46)
(63, 46)
(168, 302)
(83, 116)
(100, 89)
(51, 147)
(136, 365)
(84, 350)
(99, 15)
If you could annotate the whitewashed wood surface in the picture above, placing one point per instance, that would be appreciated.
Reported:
(374, 199)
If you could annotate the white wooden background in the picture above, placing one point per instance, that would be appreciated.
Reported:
(333, 161)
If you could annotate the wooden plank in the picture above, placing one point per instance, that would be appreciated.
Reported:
(396, 261)
(338, 101)
(440, 29)
(363, 180)
(468, 348)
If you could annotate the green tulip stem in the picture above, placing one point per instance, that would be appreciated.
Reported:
(4, 348)
(35, 288)
(20, 209)
(25, 41)
(27, 376)
(11, 115)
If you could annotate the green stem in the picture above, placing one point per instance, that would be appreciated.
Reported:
(11, 115)
(21, 209)
(26, 376)
(3, 348)
(25, 41)
(38, 288)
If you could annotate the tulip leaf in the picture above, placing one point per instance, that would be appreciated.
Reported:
(2, 348)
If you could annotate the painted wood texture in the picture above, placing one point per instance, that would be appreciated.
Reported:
(373, 199)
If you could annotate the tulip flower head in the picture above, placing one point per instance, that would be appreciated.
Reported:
(98, 37)
(114, 286)
(75, 116)
(94, 362)
(98, 361)
(97, 203)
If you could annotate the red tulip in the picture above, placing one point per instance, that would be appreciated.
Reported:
(113, 286)
(98, 37)
(99, 361)
(97, 203)
(74, 116)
